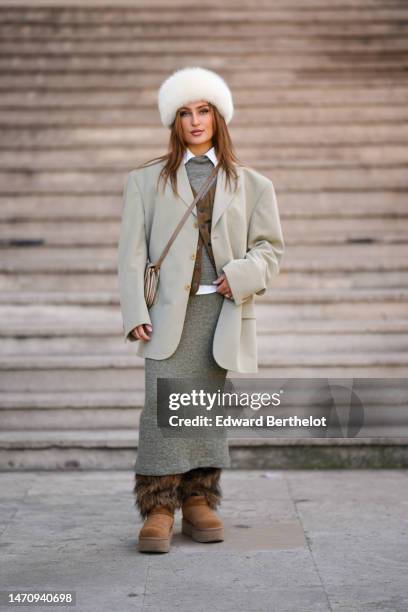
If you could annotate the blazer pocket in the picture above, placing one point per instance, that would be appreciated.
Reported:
(248, 310)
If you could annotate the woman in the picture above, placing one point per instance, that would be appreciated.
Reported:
(203, 323)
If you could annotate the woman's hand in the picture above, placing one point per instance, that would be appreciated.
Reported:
(140, 332)
(223, 286)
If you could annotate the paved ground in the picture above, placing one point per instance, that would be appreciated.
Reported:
(295, 541)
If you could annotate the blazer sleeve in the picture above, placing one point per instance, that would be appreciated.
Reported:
(132, 256)
(254, 273)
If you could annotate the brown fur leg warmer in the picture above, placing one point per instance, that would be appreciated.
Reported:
(151, 491)
(202, 481)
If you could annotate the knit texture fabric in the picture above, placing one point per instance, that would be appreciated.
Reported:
(162, 455)
(198, 169)
(157, 453)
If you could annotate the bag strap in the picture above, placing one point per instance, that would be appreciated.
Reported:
(206, 186)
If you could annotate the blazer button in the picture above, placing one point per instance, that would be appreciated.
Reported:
(187, 287)
(193, 257)
(195, 224)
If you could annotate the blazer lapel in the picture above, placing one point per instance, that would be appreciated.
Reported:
(223, 194)
(184, 187)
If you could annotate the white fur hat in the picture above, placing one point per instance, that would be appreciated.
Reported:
(190, 84)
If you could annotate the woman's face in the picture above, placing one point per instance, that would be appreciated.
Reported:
(197, 125)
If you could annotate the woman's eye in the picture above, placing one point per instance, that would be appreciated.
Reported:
(204, 110)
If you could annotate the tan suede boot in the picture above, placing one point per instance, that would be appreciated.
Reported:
(200, 521)
(157, 531)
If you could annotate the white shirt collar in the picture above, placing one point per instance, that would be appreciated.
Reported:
(210, 154)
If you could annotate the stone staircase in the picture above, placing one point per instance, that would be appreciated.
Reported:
(321, 98)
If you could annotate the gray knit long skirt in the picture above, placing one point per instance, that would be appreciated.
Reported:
(160, 454)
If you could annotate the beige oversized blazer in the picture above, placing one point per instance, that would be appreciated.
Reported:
(247, 243)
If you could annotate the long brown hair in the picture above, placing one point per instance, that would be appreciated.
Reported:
(222, 143)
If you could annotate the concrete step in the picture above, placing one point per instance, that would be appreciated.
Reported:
(107, 22)
(69, 7)
(26, 373)
(71, 373)
(74, 65)
(72, 323)
(292, 204)
(307, 337)
(309, 94)
(66, 410)
(218, 22)
(226, 41)
(116, 449)
(304, 178)
(91, 410)
(297, 232)
(66, 320)
(60, 314)
(280, 11)
(63, 313)
(243, 117)
(261, 158)
(72, 326)
(324, 304)
(117, 159)
(304, 258)
(261, 80)
(337, 231)
(316, 280)
(333, 135)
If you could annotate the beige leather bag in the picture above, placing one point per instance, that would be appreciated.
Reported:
(152, 270)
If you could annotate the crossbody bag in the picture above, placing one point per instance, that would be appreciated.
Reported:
(152, 270)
